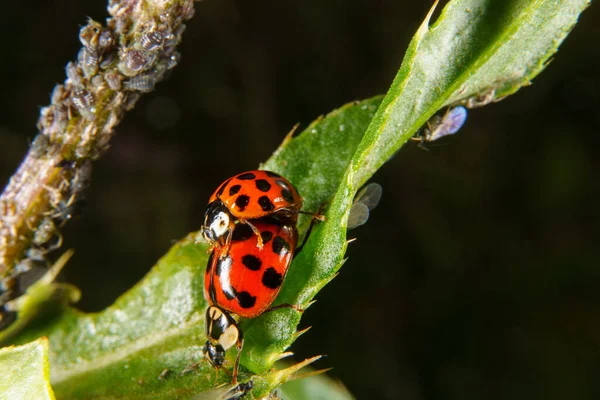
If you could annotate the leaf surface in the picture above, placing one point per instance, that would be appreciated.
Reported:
(476, 50)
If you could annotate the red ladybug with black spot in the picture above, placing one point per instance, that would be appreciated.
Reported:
(248, 196)
(244, 279)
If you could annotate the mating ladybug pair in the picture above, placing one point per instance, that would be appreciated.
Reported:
(250, 222)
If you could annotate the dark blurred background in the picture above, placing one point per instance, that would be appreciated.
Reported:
(476, 277)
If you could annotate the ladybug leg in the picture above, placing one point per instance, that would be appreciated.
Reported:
(226, 245)
(316, 215)
(310, 228)
(256, 232)
(236, 366)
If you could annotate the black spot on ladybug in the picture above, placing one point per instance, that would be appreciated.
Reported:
(251, 262)
(287, 195)
(262, 185)
(247, 176)
(272, 174)
(265, 203)
(242, 201)
(280, 246)
(286, 192)
(222, 188)
(241, 232)
(266, 236)
(246, 300)
(234, 189)
(271, 278)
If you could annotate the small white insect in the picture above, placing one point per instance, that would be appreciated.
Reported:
(442, 125)
(365, 200)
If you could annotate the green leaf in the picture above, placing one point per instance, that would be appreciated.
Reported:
(478, 50)
(43, 297)
(465, 47)
(153, 333)
(147, 340)
(25, 372)
(318, 387)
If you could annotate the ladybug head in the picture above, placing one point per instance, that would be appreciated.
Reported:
(214, 353)
(222, 332)
(217, 222)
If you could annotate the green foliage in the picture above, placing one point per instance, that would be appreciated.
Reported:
(25, 372)
(318, 387)
(477, 50)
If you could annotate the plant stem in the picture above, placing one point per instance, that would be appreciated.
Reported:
(116, 64)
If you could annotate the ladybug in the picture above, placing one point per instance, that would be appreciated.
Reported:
(244, 280)
(247, 196)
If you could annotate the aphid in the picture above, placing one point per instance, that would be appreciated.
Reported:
(39, 146)
(88, 61)
(230, 392)
(186, 10)
(106, 41)
(173, 60)
(365, 200)
(107, 60)
(164, 374)
(82, 178)
(244, 279)
(89, 34)
(143, 83)
(97, 81)
(113, 79)
(442, 125)
(134, 61)
(53, 120)
(66, 209)
(84, 101)
(33, 254)
(74, 74)
(481, 99)
(246, 196)
(28, 264)
(44, 232)
(238, 391)
(152, 40)
(59, 94)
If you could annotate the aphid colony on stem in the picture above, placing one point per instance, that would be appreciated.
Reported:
(46, 237)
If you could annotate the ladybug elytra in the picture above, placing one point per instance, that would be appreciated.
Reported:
(246, 278)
